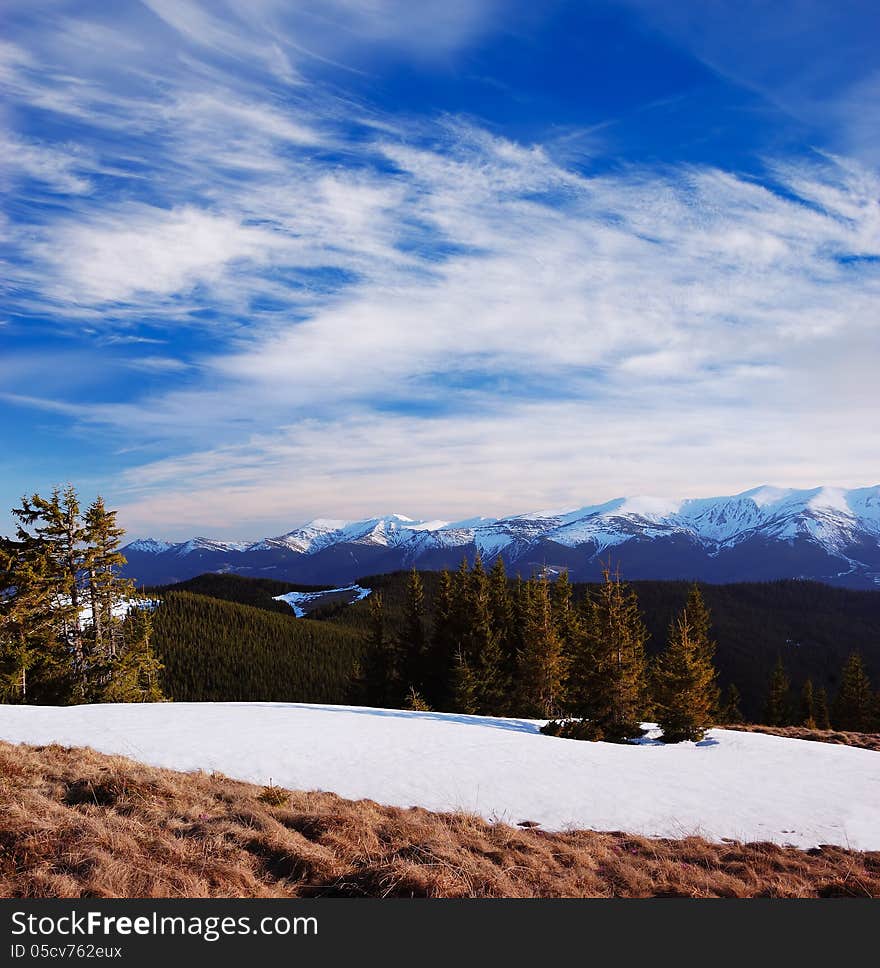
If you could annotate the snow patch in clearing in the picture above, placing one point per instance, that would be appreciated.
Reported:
(298, 600)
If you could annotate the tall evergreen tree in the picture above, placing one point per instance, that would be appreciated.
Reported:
(823, 720)
(500, 604)
(460, 612)
(135, 668)
(700, 621)
(381, 673)
(503, 611)
(442, 648)
(414, 638)
(808, 705)
(51, 529)
(27, 621)
(102, 561)
(521, 605)
(607, 678)
(684, 679)
(483, 647)
(568, 628)
(777, 711)
(464, 686)
(854, 704)
(730, 710)
(540, 662)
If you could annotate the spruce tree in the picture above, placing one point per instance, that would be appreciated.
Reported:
(541, 664)
(381, 673)
(51, 530)
(684, 679)
(730, 711)
(568, 627)
(483, 648)
(461, 612)
(464, 688)
(26, 620)
(854, 704)
(808, 705)
(413, 638)
(607, 676)
(107, 591)
(442, 648)
(700, 621)
(777, 711)
(823, 720)
(135, 668)
(500, 604)
(503, 611)
(520, 605)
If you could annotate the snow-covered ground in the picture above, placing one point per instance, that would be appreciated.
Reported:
(299, 601)
(118, 609)
(744, 786)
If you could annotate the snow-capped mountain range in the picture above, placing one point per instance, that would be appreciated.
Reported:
(823, 533)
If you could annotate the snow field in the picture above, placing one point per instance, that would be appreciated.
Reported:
(742, 786)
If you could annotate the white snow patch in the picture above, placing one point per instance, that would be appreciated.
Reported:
(745, 786)
(298, 600)
(118, 609)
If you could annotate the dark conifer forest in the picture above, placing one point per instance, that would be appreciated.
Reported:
(812, 628)
(215, 650)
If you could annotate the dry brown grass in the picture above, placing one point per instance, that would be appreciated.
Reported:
(76, 823)
(864, 741)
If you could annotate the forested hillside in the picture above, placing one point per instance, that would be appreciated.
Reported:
(812, 627)
(217, 650)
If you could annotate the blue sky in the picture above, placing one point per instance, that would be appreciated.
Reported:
(265, 261)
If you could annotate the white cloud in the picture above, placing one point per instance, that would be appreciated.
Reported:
(139, 250)
(59, 168)
(336, 28)
(157, 364)
(199, 25)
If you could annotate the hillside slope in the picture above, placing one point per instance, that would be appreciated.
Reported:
(734, 785)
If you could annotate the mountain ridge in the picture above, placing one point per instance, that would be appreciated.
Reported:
(823, 533)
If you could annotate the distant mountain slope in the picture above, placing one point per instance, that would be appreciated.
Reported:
(825, 534)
